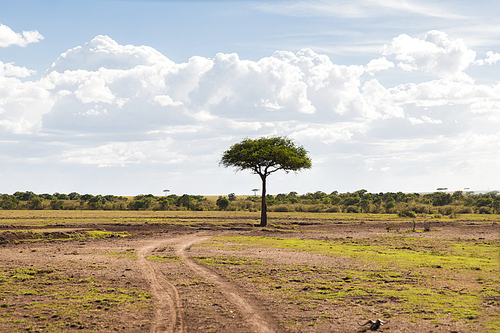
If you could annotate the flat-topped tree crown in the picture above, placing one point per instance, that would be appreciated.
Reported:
(265, 156)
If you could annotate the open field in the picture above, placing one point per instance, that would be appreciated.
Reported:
(140, 271)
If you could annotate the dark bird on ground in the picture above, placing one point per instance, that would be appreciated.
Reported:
(375, 324)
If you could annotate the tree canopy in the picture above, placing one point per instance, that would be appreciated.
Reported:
(264, 156)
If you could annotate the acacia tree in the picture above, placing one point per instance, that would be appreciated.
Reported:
(265, 156)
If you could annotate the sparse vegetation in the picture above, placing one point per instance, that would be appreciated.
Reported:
(420, 279)
(73, 270)
(46, 299)
(408, 205)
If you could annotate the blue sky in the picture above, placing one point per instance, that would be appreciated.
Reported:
(129, 97)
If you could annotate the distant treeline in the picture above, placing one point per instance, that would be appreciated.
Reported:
(404, 204)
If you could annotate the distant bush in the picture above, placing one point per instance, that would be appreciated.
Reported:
(420, 209)
(463, 210)
(407, 213)
(352, 209)
(282, 208)
(484, 210)
(446, 210)
(410, 204)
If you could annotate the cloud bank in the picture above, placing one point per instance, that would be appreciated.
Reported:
(107, 105)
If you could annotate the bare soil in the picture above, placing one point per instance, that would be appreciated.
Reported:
(162, 259)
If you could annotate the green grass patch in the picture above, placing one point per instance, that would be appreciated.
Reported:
(419, 278)
(43, 299)
(105, 234)
(164, 258)
(122, 254)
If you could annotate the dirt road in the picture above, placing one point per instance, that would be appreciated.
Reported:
(169, 317)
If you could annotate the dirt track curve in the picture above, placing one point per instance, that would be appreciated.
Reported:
(169, 316)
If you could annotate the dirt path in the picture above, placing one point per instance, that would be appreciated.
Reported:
(250, 310)
(169, 317)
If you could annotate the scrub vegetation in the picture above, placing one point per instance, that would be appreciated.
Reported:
(403, 204)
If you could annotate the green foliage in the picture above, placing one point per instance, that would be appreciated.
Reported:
(25, 196)
(412, 205)
(9, 202)
(265, 156)
(222, 203)
(36, 203)
(441, 199)
(141, 202)
(56, 204)
(407, 213)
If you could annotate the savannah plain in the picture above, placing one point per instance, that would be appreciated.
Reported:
(188, 271)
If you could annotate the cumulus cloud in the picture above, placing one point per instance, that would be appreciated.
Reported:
(104, 52)
(435, 54)
(379, 64)
(125, 105)
(8, 37)
(23, 104)
(491, 59)
(9, 69)
(166, 100)
(106, 86)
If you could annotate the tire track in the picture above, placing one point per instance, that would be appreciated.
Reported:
(169, 317)
(250, 311)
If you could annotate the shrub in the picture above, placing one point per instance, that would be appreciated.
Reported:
(446, 210)
(463, 210)
(484, 210)
(56, 204)
(407, 213)
(352, 209)
(282, 208)
(333, 209)
(36, 203)
(222, 203)
(389, 207)
(420, 209)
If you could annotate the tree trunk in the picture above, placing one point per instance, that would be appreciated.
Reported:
(263, 213)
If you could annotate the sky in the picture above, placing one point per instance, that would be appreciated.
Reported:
(135, 97)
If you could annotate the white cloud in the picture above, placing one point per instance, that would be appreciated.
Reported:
(104, 52)
(328, 133)
(139, 89)
(94, 91)
(491, 59)
(423, 120)
(9, 69)
(8, 37)
(379, 64)
(486, 105)
(123, 153)
(22, 104)
(435, 54)
(130, 106)
(166, 100)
